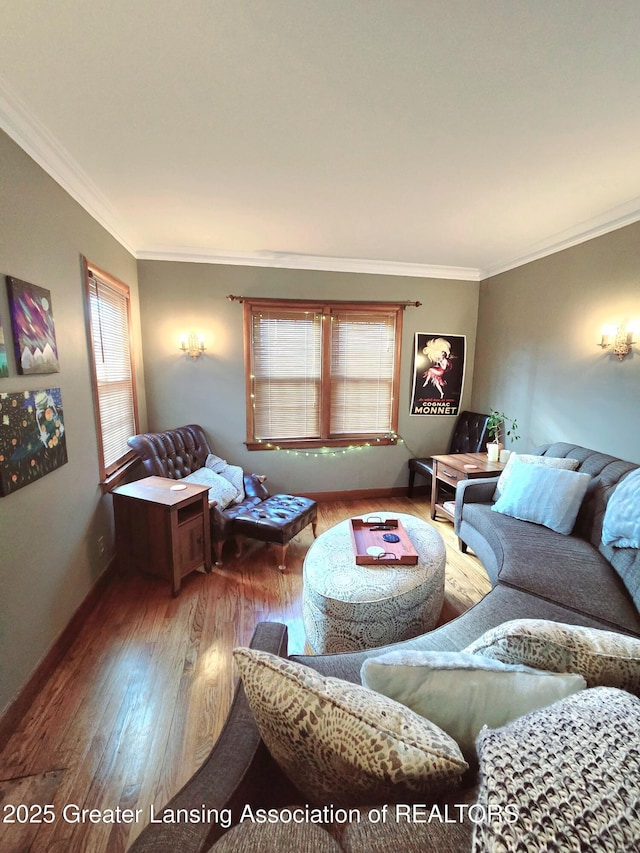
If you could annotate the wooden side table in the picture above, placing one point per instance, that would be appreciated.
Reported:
(161, 529)
(452, 468)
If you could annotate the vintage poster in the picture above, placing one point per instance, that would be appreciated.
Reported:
(438, 374)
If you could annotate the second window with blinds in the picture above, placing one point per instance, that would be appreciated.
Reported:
(112, 368)
(321, 374)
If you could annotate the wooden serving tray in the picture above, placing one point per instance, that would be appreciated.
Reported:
(365, 535)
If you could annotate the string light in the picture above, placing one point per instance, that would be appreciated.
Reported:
(324, 452)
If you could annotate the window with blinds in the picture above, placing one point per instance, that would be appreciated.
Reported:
(113, 373)
(321, 374)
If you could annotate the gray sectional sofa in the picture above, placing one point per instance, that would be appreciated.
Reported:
(578, 572)
(536, 574)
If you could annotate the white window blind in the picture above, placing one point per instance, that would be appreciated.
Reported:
(362, 373)
(287, 355)
(113, 371)
(325, 373)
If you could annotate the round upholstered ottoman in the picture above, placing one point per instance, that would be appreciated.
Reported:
(347, 607)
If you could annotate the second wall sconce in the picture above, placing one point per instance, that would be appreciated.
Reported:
(192, 345)
(620, 338)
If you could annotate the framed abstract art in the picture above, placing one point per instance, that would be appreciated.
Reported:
(32, 437)
(4, 367)
(34, 334)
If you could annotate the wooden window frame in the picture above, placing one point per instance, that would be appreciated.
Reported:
(326, 307)
(113, 473)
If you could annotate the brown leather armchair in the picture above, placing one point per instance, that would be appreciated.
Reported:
(177, 452)
(275, 519)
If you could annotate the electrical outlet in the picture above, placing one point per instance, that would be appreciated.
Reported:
(101, 548)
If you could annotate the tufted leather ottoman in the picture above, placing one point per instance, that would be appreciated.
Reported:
(277, 520)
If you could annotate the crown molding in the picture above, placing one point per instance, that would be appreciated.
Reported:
(285, 260)
(17, 120)
(611, 220)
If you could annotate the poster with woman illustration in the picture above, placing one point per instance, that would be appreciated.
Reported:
(438, 373)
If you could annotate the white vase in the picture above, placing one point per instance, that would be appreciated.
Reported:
(504, 455)
(493, 451)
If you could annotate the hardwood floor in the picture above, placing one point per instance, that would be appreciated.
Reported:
(140, 699)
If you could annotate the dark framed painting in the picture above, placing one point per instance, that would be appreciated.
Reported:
(438, 373)
(4, 367)
(32, 437)
(34, 333)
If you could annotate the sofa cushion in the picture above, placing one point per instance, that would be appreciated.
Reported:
(566, 464)
(220, 490)
(563, 778)
(281, 834)
(547, 496)
(604, 658)
(341, 743)
(462, 692)
(562, 569)
(621, 524)
(444, 826)
(626, 562)
(606, 472)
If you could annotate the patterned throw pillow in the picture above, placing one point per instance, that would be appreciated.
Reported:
(601, 657)
(341, 743)
(531, 459)
(563, 778)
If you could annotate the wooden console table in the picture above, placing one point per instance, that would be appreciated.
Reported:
(162, 530)
(454, 467)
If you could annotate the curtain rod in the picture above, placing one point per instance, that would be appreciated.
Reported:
(403, 304)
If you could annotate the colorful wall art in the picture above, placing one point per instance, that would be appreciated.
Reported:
(32, 439)
(4, 367)
(438, 373)
(33, 328)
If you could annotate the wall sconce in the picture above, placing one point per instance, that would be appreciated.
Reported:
(192, 345)
(620, 338)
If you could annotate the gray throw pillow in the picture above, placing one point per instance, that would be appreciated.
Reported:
(565, 463)
(621, 524)
(548, 496)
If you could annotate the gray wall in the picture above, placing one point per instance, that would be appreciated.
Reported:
(176, 298)
(536, 356)
(49, 529)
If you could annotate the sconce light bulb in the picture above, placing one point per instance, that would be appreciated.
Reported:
(192, 345)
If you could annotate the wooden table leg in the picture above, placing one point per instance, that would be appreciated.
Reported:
(434, 488)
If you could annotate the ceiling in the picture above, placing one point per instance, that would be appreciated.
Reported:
(455, 138)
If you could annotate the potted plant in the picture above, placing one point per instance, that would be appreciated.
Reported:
(497, 425)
